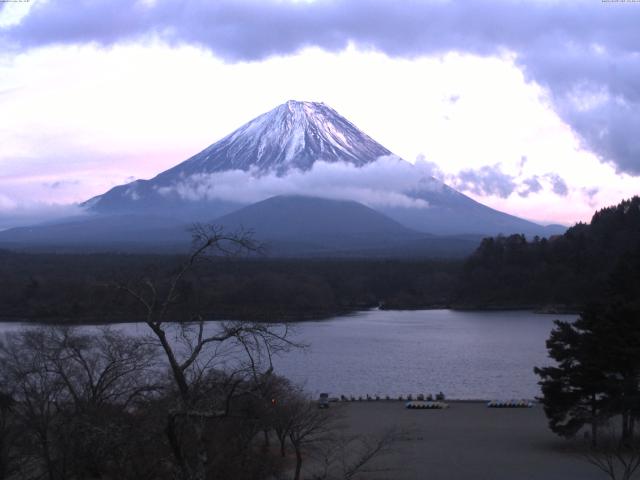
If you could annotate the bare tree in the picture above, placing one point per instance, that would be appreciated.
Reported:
(614, 455)
(69, 393)
(346, 457)
(285, 399)
(39, 395)
(107, 368)
(238, 353)
(308, 425)
(7, 436)
(315, 434)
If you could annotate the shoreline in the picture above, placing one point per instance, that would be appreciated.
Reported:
(455, 401)
(295, 318)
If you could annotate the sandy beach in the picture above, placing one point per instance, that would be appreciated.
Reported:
(467, 441)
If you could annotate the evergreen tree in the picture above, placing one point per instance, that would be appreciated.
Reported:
(597, 373)
(574, 391)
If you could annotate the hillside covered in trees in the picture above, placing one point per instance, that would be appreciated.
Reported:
(588, 262)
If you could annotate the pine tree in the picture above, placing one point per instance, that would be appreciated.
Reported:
(597, 373)
(574, 391)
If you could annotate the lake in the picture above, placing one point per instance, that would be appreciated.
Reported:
(465, 354)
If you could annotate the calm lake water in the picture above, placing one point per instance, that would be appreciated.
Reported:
(466, 355)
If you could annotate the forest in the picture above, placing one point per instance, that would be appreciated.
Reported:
(560, 273)
(588, 262)
(83, 288)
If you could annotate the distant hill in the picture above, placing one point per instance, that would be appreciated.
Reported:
(318, 224)
(590, 262)
(297, 225)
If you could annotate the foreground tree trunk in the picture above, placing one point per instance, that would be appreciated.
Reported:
(594, 423)
(298, 464)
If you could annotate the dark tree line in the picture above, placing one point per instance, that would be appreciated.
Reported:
(77, 288)
(566, 271)
(563, 272)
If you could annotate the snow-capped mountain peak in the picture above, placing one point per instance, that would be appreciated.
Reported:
(291, 136)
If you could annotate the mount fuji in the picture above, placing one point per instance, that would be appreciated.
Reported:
(292, 136)
(283, 147)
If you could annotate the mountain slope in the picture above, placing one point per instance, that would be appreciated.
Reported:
(316, 220)
(286, 226)
(452, 213)
(298, 225)
(292, 137)
(126, 232)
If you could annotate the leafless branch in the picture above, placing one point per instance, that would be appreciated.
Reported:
(619, 460)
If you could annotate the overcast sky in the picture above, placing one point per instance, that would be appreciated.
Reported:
(529, 107)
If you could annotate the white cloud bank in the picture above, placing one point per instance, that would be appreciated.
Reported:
(387, 182)
(390, 181)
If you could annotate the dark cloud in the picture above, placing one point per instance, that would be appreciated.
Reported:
(598, 94)
(585, 52)
(591, 193)
(487, 180)
(491, 180)
(558, 185)
(529, 186)
(58, 184)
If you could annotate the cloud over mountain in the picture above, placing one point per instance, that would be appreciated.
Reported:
(487, 180)
(584, 52)
(389, 181)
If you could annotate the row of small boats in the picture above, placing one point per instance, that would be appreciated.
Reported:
(420, 405)
(510, 404)
(426, 405)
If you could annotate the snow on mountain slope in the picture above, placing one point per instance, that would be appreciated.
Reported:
(306, 148)
(292, 135)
